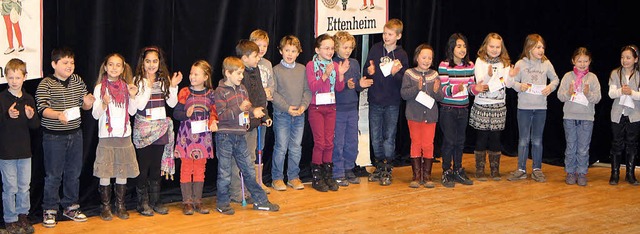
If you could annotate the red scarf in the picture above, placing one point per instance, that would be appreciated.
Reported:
(119, 93)
(579, 75)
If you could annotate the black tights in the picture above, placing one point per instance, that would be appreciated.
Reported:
(149, 160)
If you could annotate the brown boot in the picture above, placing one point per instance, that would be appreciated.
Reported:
(121, 210)
(197, 198)
(427, 164)
(105, 202)
(187, 198)
(494, 163)
(416, 166)
(481, 160)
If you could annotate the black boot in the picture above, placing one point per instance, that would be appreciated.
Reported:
(105, 202)
(460, 176)
(631, 167)
(187, 198)
(615, 170)
(328, 177)
(416, 167)
(494, 163)
(143, 201)
(427, 164)
(197, 198)
(447, 179)
(375, 176)
(154, 198)
(481, 160)
(121, 210)
(385, 173)
(318, 182)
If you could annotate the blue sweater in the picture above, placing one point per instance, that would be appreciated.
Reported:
(385, 91)
(347, 99)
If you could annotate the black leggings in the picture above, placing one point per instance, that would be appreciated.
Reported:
(488, 140)
(149, 161)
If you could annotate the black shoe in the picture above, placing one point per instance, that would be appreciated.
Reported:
(266, 206)
(447, 179)
(375, 175)
(385, 174)
(461, 177)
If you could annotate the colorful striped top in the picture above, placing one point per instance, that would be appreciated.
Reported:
(450, 77)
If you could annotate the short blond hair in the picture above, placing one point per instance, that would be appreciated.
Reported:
(231, 64)
(394, 24)
(259, 34)
(342, 37)
(15, 65)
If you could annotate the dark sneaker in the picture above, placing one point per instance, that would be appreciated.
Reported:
(351, 177)
(538, 176)
(517, 175)
(226, 210)
(49, 218)
(447, 179)
(342, 182)
(385, 174)
(460, 176)
(25, 223)
(375, 176)
(266, 206)
(73, 212)
(571, 179)
(582, 179)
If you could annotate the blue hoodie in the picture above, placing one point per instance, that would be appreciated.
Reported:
(347, 99)
(385, 91)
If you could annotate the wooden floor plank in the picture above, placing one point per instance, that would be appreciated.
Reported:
(485, 207)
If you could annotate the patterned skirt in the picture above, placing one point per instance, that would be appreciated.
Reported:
(488, 117)
(115, 158)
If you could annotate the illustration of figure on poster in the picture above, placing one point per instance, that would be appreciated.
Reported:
(11, 12)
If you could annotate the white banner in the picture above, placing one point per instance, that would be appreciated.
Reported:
(22, 35)
(354, 16)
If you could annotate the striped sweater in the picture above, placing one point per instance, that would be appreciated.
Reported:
(228, 100)
(450, 77)
(60, 95)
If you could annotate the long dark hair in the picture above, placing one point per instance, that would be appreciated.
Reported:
(451, 45)
(636, 65)
(162, 74)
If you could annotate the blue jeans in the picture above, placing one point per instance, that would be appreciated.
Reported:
(16, 176)
(288, 133)
(530, 127)
(62, 164)
(578, 136)
(453, 122)
(230, 147)
(345, 143)
(383, 124)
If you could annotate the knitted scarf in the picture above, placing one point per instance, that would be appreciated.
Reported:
(119, 93)
(579, 75)
(493, 60)
(319, 66)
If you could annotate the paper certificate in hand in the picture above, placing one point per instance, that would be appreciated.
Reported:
(424, 99)
(386, 68)
(199, 126)
(627, 101)
(156, 113)
(496, 83)
(535, 89)
(72, 113)
(325, 98)
(580, 98)
(463, 92)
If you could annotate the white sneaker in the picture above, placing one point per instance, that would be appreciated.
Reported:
(20, 48)
(372, 6)
(364, 7)
(9, 51)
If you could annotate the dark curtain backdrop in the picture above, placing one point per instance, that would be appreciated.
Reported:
(203, 29)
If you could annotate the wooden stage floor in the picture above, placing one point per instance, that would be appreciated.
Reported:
(485, 207)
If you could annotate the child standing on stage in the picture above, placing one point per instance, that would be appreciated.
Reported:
(580, 92)
(196, 111)
(625, 114)
(18, 117)
(387, 62)
(261, 38)
(421, 89)
(345, 142)
(248, 51)
(115, 155)
(489, 110)
(325, 78)
(59, 99)
(291, 97)
(234, 111)
(456, 75)
(531, 85)
(153, 131)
